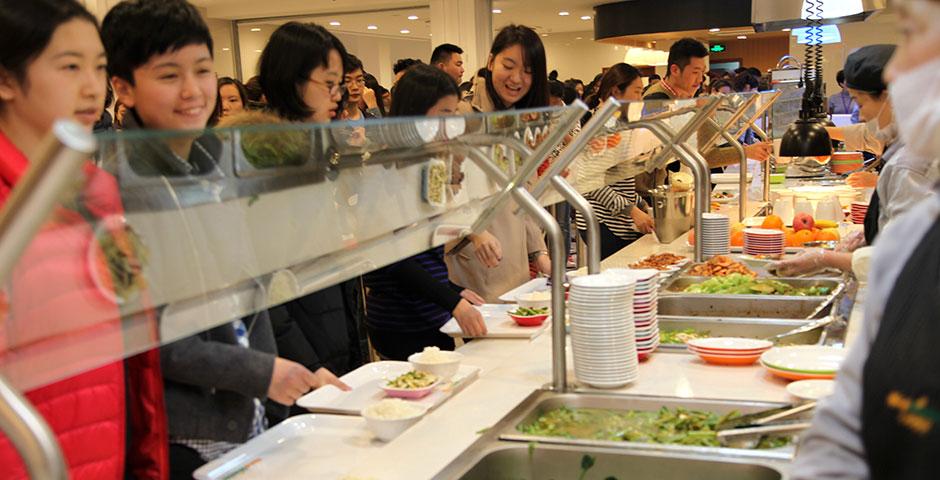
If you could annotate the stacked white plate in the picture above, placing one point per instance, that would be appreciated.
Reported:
(645, 308)
(716, 234)
(858, 212)
(763, 241)
(603, 341)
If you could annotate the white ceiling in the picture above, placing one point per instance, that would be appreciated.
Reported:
(353, 14)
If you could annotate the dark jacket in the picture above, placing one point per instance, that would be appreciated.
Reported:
(323, 329)
(211, 381)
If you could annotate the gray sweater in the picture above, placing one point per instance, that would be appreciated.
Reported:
(210, 381)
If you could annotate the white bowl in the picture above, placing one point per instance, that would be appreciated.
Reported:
(525, 300)
(387, 429)
(444, 371)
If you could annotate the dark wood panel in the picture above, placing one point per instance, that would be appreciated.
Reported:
(762, 53)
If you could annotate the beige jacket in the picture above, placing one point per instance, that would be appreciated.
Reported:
(519, 237)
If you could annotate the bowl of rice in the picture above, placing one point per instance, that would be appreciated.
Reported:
(541, 299)
(442, 363)
(390, 417)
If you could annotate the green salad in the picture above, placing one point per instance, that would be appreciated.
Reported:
(412, 380)
(665, 426)
(744, 285)
(528, 312)
(679, 337)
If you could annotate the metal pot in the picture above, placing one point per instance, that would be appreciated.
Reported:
(673, 212)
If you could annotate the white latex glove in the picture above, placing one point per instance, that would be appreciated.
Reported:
(811, 260)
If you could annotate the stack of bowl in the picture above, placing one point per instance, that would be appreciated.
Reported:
(716, 233)
(763, 241)
(729, 350)
(859, 210)
(645, 308)
(603, 336)
(845, 162)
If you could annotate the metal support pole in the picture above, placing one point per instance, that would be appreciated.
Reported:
(742, 178)
(51, 171)
(558, 256)
(721, 129)
(572, 196)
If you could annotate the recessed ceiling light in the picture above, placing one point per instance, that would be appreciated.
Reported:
(496, 10)
(412, 17)
(786, 29)
(335, 23)
(563, 13)
(257, 51)
(713, 30)
(256, 29)
(225, 49)
(742, 37)
(405, 30)
(544, 34)
(372, 27)
(585, 17)
(577, 38)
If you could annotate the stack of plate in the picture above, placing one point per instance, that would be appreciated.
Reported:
(763, 241)
(645, 308)
(804, 362)
(603, 337)
(716, 233)
(859, 209)
(729, 350)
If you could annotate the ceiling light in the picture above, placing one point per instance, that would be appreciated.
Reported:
(786, 29)
(225, 49)
(256, 29)
(577, 38)
(257, 51)
(713, 30)
(496, 10)
(335, 23)
(372, 27)
(742, 37)
(405, 30)
(563, 13)
(412, 17)
(544, 34)
(585, 17)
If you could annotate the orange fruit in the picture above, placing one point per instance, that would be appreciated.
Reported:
(737, 239)
(828, 234)
(737, 227)
(790, 241)
(803, 236)
(772, 222)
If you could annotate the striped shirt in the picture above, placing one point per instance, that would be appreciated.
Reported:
(612, 205)
(411, 295)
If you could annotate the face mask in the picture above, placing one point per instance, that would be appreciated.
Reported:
(872, 124)
(915, 96)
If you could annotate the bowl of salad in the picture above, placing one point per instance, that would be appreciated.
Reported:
(529, 317)
(411, 385)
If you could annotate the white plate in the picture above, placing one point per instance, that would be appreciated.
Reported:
(366, 383)
(602, 282)
(498, 324)
(730, 344)
(730, 178)
(812, 359)
(322, 441)
(534, 285)
(811, 389)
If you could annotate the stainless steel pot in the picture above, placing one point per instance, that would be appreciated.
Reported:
(673, 213)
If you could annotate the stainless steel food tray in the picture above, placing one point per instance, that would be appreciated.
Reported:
(735, 327)
(680, 283)
(740, 306)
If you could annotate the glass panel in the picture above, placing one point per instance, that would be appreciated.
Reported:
(171, 233)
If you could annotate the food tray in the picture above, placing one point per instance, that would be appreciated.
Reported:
(740, 306)
(498, 324)
(317, 442)
(543, 401)
(366, 382)
(679, 284)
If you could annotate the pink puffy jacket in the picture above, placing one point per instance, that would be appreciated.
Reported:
(63, 321)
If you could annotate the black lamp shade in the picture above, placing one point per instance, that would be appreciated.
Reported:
(806, 138)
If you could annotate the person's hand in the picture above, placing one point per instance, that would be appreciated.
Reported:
(487, 249)
(290, 381)
(760, 151)
(326, 377)
(643, 222)
(851, 242)
(470, 319)
(368, 96)
(543, 263)
(473, 297)
(810, 260)
(863, 180)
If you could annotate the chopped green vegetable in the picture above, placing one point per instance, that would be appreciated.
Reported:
(738, 284)
(528, 312)
(413, 380)
(679, 337)
(665, 426)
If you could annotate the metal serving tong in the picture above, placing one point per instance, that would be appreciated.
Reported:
(746, 431)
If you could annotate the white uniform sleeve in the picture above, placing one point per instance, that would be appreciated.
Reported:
(857, 138)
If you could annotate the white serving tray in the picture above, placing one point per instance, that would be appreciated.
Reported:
(366, 382)
(498, 324)
(535, 285)
(318, 441)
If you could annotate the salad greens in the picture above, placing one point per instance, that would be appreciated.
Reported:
(413, 380)
(679, 337)
(745, 285)
(666, 426)
(528, 312)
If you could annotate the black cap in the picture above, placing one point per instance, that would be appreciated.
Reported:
(865, 66)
